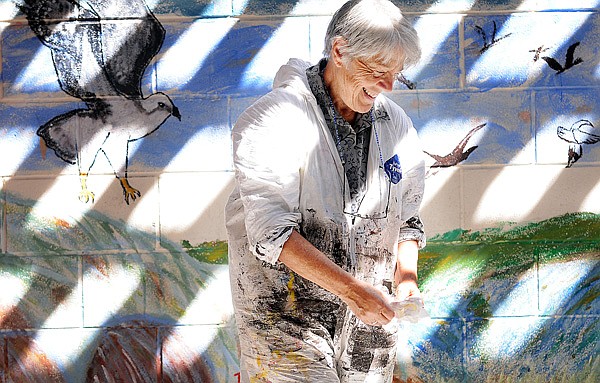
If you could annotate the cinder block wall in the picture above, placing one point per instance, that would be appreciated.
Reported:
(124, 289)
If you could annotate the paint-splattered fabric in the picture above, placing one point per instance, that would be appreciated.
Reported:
(289, 177)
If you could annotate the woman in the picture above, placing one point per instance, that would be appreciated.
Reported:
(323, 223)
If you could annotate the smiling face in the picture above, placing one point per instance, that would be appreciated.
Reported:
(369, 78)
(355, 83)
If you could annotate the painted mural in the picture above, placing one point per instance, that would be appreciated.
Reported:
(151, 316)
(96, 288)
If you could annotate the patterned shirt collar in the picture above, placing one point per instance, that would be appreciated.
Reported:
(352, 143)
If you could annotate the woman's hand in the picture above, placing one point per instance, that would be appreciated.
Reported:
(369, 304)
(406, 289)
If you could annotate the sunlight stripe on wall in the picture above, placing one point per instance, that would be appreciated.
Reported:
(434, 30)
(184, 59)
(504, 338)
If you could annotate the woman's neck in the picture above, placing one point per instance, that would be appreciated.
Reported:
(333, 83)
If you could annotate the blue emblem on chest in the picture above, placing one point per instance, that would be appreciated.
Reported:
(393, 169)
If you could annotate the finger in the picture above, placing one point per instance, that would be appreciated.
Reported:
(387, 314)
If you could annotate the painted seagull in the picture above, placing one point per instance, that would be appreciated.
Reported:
(100, 51)
(570, 60)
(459, 154)
(582, 132)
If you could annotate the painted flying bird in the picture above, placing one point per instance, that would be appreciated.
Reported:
(570, 60)
(537, 52)
(100, 51)
(582, 132)
(457, 155)
(487, 44)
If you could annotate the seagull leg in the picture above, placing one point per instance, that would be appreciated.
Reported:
(85, 195)
(129, 191)
(575, 153)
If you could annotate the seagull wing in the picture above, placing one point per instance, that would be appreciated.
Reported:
(552, 63)
(482, 33)
(586, 133)
(131, 37)
(463, 143)
(72, 32)
(571, 54)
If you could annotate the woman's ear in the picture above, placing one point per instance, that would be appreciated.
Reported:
(337, 55)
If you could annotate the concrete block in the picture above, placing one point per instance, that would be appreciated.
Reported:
(186, 288)
(199, 142)
(526, 348)
(469, 279)
(20, 149)
(568, 282)
(200, 221)
(572, 110)
(197, 8)
(40, 292)
(439, 67)
(441, 206)
(200, 353)
(48, 355)
(113, 288)
(429, 350)
(125, 351)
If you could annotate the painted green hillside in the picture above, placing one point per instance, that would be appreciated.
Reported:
(525, 298)
(515, 303)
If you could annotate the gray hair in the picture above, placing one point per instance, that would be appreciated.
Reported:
(373, 29)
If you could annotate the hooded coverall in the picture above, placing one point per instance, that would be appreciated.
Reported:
(289, 176)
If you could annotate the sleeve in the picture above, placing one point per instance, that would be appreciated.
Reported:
(412, 230)
(413, 185)
(267, 156)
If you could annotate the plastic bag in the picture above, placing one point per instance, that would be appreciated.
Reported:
(411, 309)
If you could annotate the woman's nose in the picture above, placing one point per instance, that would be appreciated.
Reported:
(387, 81)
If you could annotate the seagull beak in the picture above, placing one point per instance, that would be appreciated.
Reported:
(175, 113)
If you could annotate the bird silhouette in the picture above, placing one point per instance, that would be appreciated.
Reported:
(570, 60)
(100, 51)
(537, 52)
(488, 43)
(457, 155)
(582, 132)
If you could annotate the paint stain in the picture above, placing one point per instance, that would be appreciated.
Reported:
(60, 293)
(62, 223)
(584, 109)
(367, 344)
(13, 318)
(28, 363)
(100, 264)
(43, 148)
(291, 298)
(126, 353)
(525, 116)
(157, 285)
(214, 252)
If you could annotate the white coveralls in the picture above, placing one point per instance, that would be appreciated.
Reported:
(289, 175)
